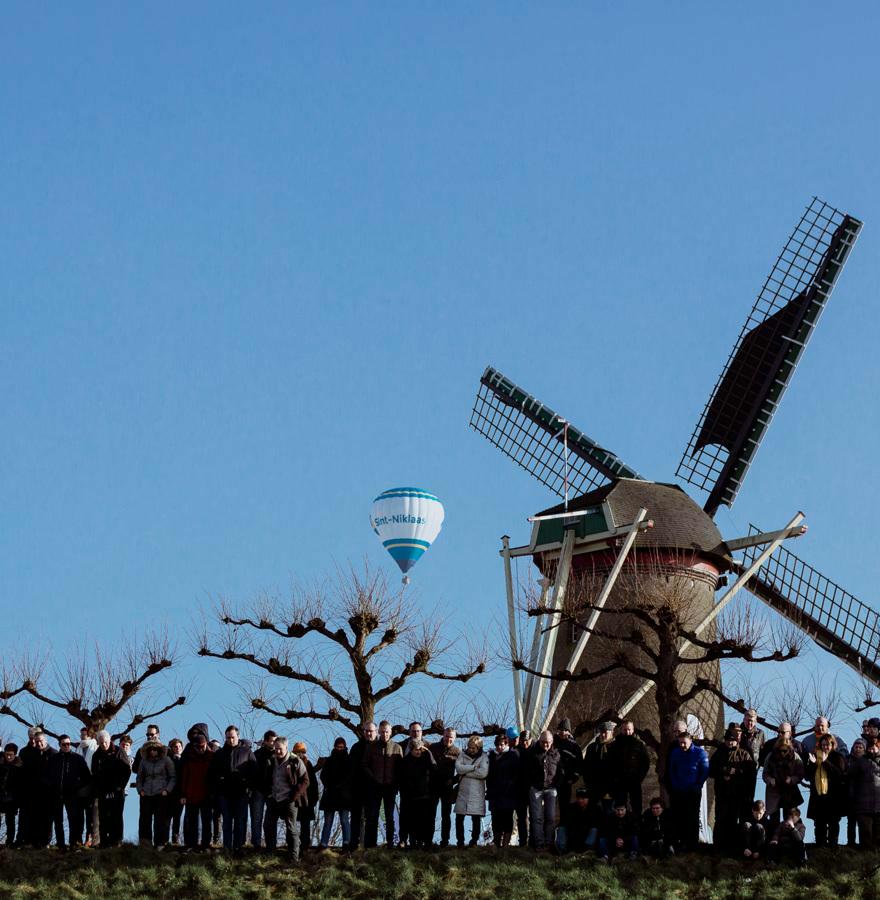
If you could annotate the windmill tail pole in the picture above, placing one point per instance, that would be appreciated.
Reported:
(740, 583)
(601, 600)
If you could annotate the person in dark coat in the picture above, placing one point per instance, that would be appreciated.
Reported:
(416, 782)
(110, 775)
(545, 777)
(67, 777)
(501, 787)
(336, 798)
(583, 824)
(572, 761)
(380, 770)
(35, 826)
(733, 769)
(656, 836)
(787, 842)
(825, 771)
(629, 761)
(619, 834)
(864, 791)
(356, 761)
(445, 753)
(414, 733)
(525, 747)
(231, 773)
(195, 789)
(783, 733)
(753, 833)
(175, 808)
(598, 775)
(260, 785)
(10, 790)
(306, 813)
(783, 772)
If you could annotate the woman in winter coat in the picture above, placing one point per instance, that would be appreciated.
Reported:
(864, 792)
(783, 771)
(336, 798)
(416, 781)
(501, 789)
(826, 773)
(472, 768)
(156, 779)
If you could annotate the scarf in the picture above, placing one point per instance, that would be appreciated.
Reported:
(820, 779)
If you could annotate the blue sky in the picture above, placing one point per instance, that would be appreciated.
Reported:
(254, 263)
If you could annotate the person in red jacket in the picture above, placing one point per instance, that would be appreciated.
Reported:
(195, 795)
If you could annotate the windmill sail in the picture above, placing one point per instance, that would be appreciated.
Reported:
(530, 433)
(830, 615)
(766, 353)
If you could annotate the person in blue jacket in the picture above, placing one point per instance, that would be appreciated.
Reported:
(686, 771)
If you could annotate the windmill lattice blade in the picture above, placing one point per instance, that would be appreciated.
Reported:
(529, 433)
(834, 618)
(764, 358)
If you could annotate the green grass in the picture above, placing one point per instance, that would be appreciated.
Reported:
(133, 873)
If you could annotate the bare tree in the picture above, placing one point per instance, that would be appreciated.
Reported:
(96, 689)
(347, 648)
(653, 614)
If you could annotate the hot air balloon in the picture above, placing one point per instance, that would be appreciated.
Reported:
(407, 520)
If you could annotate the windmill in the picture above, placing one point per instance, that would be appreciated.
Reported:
(606, 503)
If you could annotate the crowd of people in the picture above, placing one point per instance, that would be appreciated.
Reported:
(547, 794)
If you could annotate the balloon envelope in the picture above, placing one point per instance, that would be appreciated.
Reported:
(407, 520)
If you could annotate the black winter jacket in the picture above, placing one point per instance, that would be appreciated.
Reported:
(67, 775)
(232, 770)
(417, 776)
(503, 780)
(110, 771)
(336, 778)
(545, 769)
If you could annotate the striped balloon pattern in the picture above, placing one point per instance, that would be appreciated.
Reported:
(407, 521)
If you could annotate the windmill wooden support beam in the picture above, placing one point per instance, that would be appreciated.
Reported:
(598, 606)
(738, 585)
(511, 623)
(551, 632)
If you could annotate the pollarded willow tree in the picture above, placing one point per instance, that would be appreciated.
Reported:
(95, 689)
(345, 650)
(647, 636)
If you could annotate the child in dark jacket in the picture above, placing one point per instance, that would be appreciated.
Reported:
(788, 840)
(754, 833)
(619, 834)
(583, 822)
(656, 835)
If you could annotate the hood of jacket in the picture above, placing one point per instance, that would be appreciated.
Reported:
(198, 728)
(153, 745)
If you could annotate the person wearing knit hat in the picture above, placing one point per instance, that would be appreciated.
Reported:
(307, 812)
(864, 792)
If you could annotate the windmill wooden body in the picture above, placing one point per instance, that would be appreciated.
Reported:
(612, 517)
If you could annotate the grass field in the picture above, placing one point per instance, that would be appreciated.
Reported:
(131, 873)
